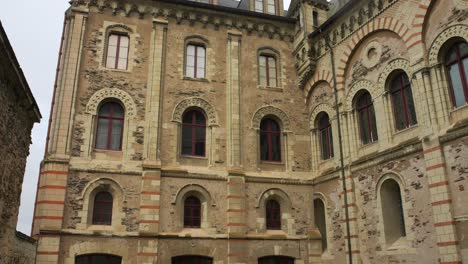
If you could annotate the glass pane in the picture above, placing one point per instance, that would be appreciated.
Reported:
(200, 118)
(124, 41)
(190, 60)
(110, 63)
(117, 110)
(200, 144)
(188, 118)
(105, 110)
(374, 134)
(465, 66)
(117, 127)
(191, 50)
(276, 148)
(122, 64)
(457, 85)
(123, 53)
(190, 71)
(259, 5)
(273, 82)
(113, 40)
(324, 144)
(274, 126)
(411, 107)
(398, 111)
(187, 140)
(262, 61)
(271, 7)
(463, 46)
(112, 51)
(451, 55)
(263, 146)
(200, 73)
(102, 133)
(201, 52)
(364, 126)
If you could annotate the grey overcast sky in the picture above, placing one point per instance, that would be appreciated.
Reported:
(34, 29)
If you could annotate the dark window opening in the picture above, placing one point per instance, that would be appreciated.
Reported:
(320, 221)
(110, 126)
(366, 115)
(315, 19)
(402, 100)
(325, 136)
(192, 260)
(392, 207)
(98, 259)
(193, 133)
(276, 260)
(456, 63)
(102, 209)
(273, 215)
(192, 212)
(270, 140)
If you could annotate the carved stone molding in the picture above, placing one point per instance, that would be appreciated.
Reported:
(195, 102)
(355, 88)
(319, 109)
(125, 98)
(271, 111)
(451, 32)
(397, 64)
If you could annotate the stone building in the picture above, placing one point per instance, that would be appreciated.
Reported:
(18, 113)
(220, 131)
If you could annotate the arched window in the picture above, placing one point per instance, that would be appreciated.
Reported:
(192, 212)
(392, 211)
(195, 61)
(193, 133)
(273, 215)
(456, 62)
(366, 116)
(102, 210)
(117, 51)
(325, 136)
(276, 260)
(402, 100)
(268, 71)
(320, 222)
(98, 259)
(270, 140)
(192, 260)
(110, 126)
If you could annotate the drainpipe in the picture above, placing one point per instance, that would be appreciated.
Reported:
(340, 140)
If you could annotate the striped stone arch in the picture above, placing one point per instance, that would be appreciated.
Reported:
(319, 76)
(396, 64)
(355, 88)
(450, 32)
(383, 23)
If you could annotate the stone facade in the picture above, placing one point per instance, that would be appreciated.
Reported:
(18, 113)
(368, 41)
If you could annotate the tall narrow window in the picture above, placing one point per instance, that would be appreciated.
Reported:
(259, 6)
(276, 260)
(273, 215)
(325, 136)
(193, 133)
(192, 260)
(192, 212)
(456, 62)
(110, 126)
(320, 222)
(102, 210)
(366, 115)
(270, 140)
(402, 99)
(117, 51)
(392, 207)
(267, 71)
(315, 19)
(195, 61)
(271, 7)
(98, 259)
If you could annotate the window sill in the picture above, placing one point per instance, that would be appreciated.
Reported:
(107, 151)
(368, 145)
(193, 157)
(399, 247)
(271, 162)
(195, 79)
(269, 88)
(404, 130)
(115, 70)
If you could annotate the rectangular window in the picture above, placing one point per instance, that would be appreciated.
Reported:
(117, 52)
(271, 7)
(267, 71)
(195, 61)
(259, 6)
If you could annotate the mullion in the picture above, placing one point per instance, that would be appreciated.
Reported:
(117, 52)
(195, 62)
(267, 68)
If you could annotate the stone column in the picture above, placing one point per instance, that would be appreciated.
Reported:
(233, 99)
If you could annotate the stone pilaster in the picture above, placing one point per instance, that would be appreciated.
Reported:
(155, 86)
(233, 99)
(147, 251)
(150, 202)
(352, 220)
(236, 218)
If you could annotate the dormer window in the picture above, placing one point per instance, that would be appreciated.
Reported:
(266, 6)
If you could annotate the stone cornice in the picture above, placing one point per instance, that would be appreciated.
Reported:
(249, 22)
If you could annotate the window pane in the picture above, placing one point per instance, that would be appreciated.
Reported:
(123, 53)
(465, 66)
(124, 41)
(373, 124)
(259, 5)
(190, 71)
(191, 50)
(411, 107)
(457, 85)
(200, 144)
(187, 140)
(110, 63)
(122, 64)
(324, 144)
(276, 148)
(190, 60)
(200, 73)
(117, 127)
(263, 146)
(364, 125)
(102, 133)
(398, 110)
(113, 39)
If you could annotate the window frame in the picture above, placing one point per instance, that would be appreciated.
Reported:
(80, 258)
(327, 130)
(403, 90)
(191, 221)
(272, 223)
(270, 134)
(268, 71)
(401, 210)
(118, 47)
(196, 46)
(461, 71)
(373, 137)
(193, 130)
(101, 208)
(111, 118)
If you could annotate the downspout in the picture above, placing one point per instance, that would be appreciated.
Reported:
(340, 140)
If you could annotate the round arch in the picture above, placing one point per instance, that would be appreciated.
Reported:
(185, 104)
(111, 93)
